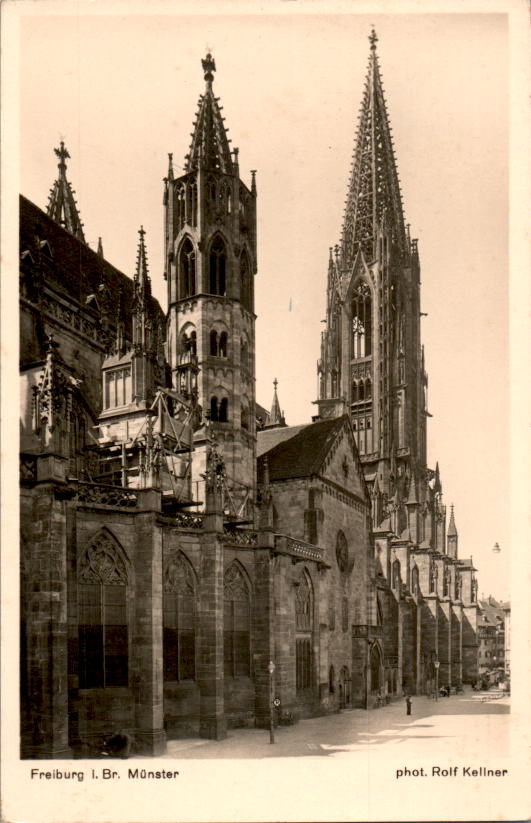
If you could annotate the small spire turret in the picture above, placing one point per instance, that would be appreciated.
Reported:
(210, 144)
(276, 417)
(62, 206)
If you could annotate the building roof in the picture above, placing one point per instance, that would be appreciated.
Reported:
(297, 451)
(492, 611)
(72, 268)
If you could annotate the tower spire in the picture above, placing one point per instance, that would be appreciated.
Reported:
(452, 530)
(276, 418)
(374, 191)
(62, 206)
(210, 144)
(142, 280)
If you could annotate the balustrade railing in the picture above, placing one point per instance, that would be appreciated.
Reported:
(105, 495)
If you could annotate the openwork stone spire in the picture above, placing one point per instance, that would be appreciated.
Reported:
(62, 206)
(276, 416)
(210, 144)
(374, 191)
(141, 280)
(452, 530)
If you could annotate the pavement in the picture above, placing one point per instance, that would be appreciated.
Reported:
(459, 724)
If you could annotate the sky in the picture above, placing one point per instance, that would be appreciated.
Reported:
(122, 92)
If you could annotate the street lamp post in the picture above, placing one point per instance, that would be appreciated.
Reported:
(271, 669)
(436, 664)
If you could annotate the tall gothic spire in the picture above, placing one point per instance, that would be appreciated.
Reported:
(374, 191)
(142, 280)
(210, 144)
(276, 418)
(62, 206)
(452, 530)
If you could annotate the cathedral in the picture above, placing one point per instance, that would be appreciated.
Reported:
(190, 562)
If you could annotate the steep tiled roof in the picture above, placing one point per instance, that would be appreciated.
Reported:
(298, 451)
(73, 268)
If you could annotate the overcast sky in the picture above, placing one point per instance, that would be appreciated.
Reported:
(122, 93)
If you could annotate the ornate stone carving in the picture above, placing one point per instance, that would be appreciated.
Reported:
(101, 562)
(178, 575)
(234, 585)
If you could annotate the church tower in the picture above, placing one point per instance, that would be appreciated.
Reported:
(210, 258)
(372, 362)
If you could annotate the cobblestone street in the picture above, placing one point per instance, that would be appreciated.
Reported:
(453, 725)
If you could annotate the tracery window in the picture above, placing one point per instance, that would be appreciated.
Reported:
(102, 615)
(304, 628)
(187, 269)
(217, 267)
(361, 321)
(237, 623)
(179, 619)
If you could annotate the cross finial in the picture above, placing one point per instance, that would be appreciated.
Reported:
(62, 154)
(373, 39)
(142, 233)
(275, 383)
(209, 66)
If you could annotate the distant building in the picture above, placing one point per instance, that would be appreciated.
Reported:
(493, 639)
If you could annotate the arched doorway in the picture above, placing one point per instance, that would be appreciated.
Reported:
(344, 688)
(375, 669)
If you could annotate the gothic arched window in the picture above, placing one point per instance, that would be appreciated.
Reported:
(224, 410)
(361, 321)
(396, 576)
(102, 615)
(214, 410)
(217, 267)
(415, 585)
(187, 269)
(246, 282)
(244, 353)
(181, 202)
(214, 343)
(237, 623)
(223, 339)
(304, 629)
(179, 619)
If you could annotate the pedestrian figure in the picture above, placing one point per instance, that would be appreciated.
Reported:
(408, 704)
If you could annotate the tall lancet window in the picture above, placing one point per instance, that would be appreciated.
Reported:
(304, 629)
(217, 267)
(361, 322)
(246, 283)
(187, 269)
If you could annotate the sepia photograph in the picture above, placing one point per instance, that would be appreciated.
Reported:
(263, 536)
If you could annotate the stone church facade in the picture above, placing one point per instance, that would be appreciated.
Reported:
(176, 538)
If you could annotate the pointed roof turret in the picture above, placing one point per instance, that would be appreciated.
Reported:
(100, 247)
(451, 531)
(374, 190)
(62, 206)
(276, 418)
(210, 144)
(141, 279)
